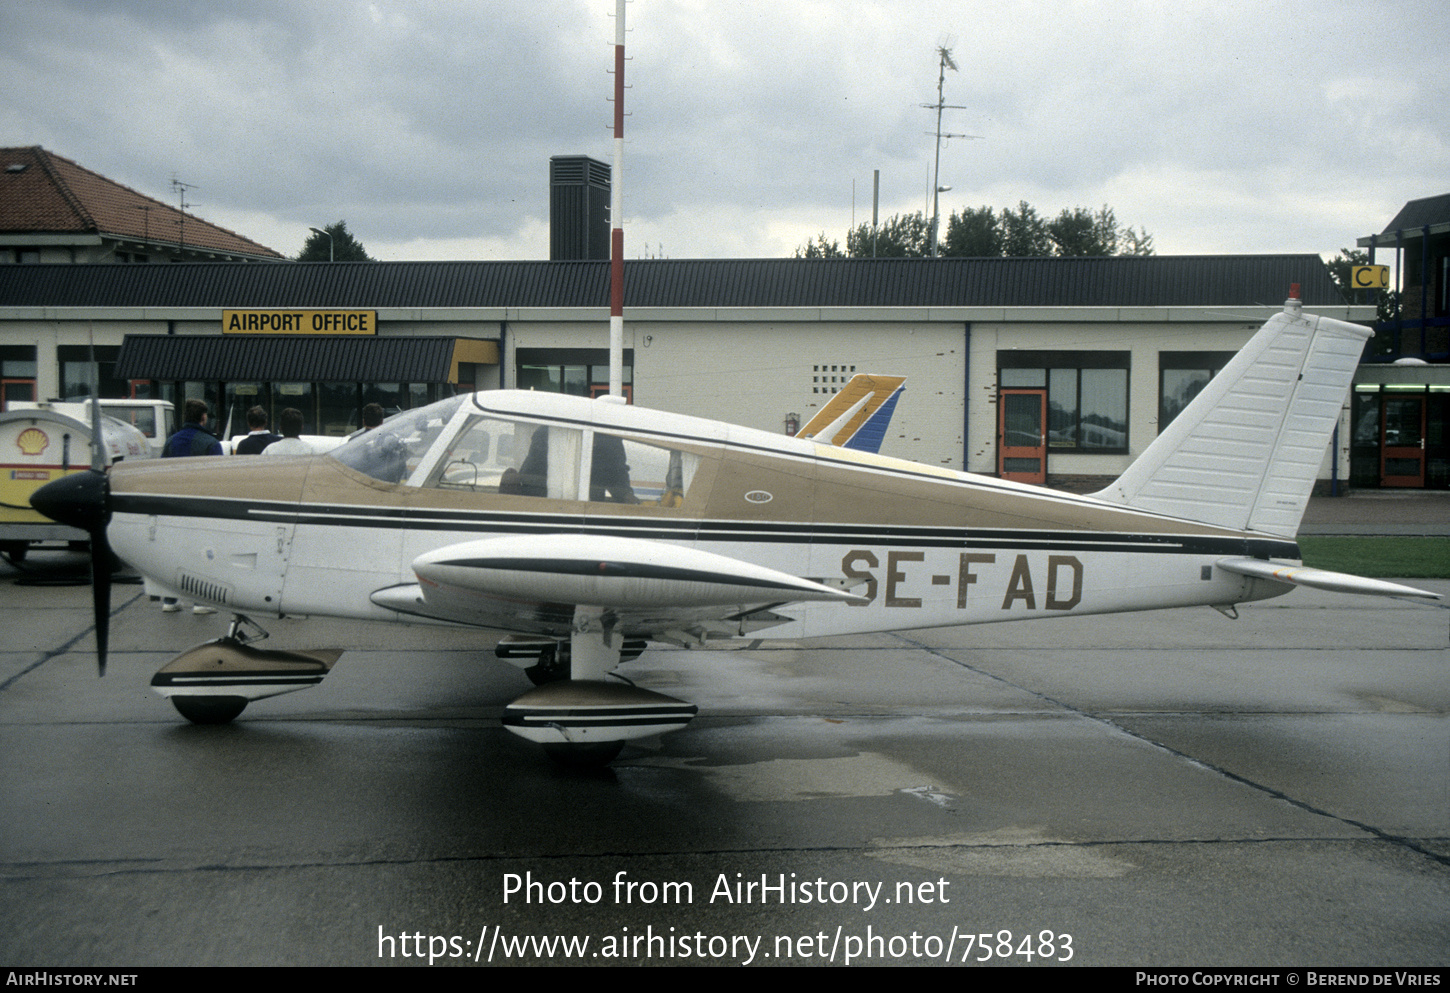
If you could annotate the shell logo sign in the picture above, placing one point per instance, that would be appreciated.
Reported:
(32, 441)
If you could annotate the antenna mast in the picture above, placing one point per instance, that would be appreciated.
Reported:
(181, 189)
(945, 62)
(616, 220)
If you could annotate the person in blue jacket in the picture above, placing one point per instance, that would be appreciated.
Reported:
(192, 438)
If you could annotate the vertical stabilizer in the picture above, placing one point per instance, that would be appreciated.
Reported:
(1245, 453)
(857, 416)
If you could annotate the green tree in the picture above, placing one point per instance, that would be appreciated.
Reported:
(343, 246)
(1024, 232)
(983, 233)
(821, 248)
(1080, 232)
(900, 236)
(973, 234)
(1133, 242)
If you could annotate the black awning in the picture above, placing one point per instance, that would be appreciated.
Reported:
(289, 358)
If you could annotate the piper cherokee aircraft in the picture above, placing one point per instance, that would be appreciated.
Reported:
(584, 529)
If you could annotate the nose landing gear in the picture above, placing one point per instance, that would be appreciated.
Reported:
(213, 682)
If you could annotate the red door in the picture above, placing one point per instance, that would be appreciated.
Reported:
(1402, 443)
(1022, 435)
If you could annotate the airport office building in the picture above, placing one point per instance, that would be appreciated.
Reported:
(1066, 366)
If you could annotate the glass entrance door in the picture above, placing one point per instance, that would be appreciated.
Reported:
(1402, 448)
(1022, 435)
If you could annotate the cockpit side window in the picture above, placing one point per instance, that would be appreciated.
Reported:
(513, 458)
(623, 470)
(393, 450)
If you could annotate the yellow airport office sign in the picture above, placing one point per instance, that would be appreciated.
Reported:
(300, 322)
(1370, 277)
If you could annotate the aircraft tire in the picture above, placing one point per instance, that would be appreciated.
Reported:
(209, 709)
(541, 674)
(594, 755)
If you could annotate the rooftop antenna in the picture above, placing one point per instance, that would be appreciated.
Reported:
(616, 211)
(875, 206)
(146, 222)
(181, 189)
(944, 63)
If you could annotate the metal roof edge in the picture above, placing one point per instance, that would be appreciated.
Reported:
(929, 314)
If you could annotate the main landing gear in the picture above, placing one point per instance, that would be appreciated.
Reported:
(213, 682)
(581, 720)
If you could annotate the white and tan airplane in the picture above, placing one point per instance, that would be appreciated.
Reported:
(585, 529)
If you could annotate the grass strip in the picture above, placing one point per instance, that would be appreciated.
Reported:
(1378, 556)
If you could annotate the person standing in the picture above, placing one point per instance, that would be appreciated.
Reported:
(258, 437)
(192, 438)
(291, 443)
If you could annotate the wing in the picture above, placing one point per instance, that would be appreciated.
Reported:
(535, 583)
(857, 416)
(1323, 579)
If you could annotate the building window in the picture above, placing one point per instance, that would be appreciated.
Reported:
(17, 374)
(1181, 376)
(577, 371)
(1087, 396)
(76, 379)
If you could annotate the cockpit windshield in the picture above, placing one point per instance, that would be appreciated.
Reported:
(391, 451)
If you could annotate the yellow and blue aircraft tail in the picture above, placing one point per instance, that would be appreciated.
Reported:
(857, 417)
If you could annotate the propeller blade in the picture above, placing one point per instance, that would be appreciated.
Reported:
(82, 500)
(101, 595)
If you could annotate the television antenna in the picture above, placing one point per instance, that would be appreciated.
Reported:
(944, 62)
(181, 189)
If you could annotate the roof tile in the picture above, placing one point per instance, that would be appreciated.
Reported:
(41, 192)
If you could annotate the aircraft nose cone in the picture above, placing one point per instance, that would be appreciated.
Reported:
(79, 500)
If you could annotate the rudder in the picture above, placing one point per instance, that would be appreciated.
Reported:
(1245, 452)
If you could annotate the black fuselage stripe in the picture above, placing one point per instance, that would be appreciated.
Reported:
(713, 531)
(617, 570)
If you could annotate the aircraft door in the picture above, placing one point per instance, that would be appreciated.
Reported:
(1022, 435)
(1402, 448)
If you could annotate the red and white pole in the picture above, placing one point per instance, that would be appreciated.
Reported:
(616, 217)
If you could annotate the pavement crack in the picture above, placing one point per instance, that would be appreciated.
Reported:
(1394, 839)
(63, 649)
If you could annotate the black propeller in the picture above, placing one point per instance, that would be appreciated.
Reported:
(83, 500)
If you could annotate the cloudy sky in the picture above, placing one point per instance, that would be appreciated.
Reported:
(428, 124)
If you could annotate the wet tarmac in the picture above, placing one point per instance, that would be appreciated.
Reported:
(1160, 789)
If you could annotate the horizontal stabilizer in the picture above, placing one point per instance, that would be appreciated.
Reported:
(1321, 579)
